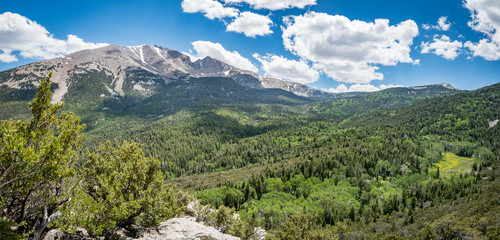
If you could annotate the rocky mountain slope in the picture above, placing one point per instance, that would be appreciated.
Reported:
(150, 82)
(140, 68)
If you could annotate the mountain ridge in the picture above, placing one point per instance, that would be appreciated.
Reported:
(163, 64)
(116, 61)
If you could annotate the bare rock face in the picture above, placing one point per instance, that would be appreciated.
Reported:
(184, 229)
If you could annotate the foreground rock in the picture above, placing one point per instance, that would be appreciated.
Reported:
(56, 234)
(183, 229)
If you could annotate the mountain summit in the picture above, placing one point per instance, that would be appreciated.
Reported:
(140, 67)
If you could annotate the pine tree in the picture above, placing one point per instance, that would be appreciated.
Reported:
(352, 214)
(36, 158)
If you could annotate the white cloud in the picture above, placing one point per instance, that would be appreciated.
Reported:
(251, 24)
(348, 51)
(443, 24)
(280, 67)
(485, 16)
(485, 19)
(442, 47)
(217, 51)
(342, 88)
(485, 48)
(248, 23)
(7, 57)
(32, 40)
(275, 4)
(212, 9)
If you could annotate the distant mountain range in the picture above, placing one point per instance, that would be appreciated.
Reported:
(151, 81)
(141, 67)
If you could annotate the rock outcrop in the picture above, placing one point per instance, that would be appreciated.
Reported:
(185, 228)
(174, 229)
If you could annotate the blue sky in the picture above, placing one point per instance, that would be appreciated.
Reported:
(331, 45)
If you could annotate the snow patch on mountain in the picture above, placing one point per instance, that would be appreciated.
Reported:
(137, 50)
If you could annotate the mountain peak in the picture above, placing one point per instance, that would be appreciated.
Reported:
(207, 58)
(119, 63)
(449, 86)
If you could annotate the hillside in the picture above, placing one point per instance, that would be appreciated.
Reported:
(216, 108)
(144, 82)
(219, 133)
(379, 177)
(403, 162)
(382, 100)
(216, 116)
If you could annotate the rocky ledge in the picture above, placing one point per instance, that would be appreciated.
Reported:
(174, 229)
(185, 228)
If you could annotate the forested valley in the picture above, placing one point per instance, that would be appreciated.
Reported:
(396, 164)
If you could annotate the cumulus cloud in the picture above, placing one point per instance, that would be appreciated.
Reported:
(251, 24)
(485, 48)
(442, 47)
(485, 19)
(485, 16)
(217, 51)
(349, 51)
(212, 9)
(248, 23)
(7, 57)
(32, 40)
(280, 67)
(442, 24)
(426, 26)
(275, 4)
(342, 88)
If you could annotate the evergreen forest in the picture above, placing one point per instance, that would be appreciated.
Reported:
(401, 163)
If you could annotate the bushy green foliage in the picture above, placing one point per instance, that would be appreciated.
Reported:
(227, 196)
(273, 185)
(301, 226)
(36, 157)
(121, 187)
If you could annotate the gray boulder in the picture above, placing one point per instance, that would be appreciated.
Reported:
(184, 229)
(54, 234)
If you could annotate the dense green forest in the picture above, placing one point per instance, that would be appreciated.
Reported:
(401, 163)
(379, 176)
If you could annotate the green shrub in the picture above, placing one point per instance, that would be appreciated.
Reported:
(121, 187)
